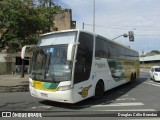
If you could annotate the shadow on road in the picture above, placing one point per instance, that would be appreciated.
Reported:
(108, 98)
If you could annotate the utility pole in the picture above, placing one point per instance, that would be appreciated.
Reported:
(93, 16)
(50, 17)
(22, 68)
(50, 3)
(83, 26)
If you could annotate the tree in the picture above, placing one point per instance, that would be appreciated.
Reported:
(21, 22)
(155, 51)
(49, 5)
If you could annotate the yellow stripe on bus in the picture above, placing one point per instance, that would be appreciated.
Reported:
(40, 86)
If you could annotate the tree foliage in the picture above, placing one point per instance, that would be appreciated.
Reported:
(21, 22)
(155, 51)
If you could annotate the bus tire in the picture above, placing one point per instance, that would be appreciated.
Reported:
(99, 90)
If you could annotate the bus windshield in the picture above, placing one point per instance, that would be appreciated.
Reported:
(50, 63)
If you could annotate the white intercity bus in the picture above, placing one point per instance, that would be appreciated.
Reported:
(72, 65)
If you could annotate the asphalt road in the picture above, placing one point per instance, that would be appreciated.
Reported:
(139, 98)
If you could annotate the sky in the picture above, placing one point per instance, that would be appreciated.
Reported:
(116, 17)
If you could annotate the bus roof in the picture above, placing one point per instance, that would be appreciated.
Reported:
(69, 30)
(78, 30)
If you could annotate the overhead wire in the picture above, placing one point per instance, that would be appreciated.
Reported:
(123, 27)
(130, 29)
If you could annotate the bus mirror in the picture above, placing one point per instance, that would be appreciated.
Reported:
(23, 52)
(70, 52)
(28, 48)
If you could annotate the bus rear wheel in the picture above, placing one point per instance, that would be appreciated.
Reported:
(99, 90)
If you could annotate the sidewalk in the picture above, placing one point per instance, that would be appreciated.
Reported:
(13, 83)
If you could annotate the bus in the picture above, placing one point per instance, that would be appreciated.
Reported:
(72, 65)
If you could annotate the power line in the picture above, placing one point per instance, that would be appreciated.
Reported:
(146, 35)
(122, 27)
(143, 30)
(107, 27)
(149, 35)
(125, 26)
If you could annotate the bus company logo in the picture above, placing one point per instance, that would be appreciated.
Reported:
(84, 91)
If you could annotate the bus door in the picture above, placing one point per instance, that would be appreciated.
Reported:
(82, 82)
(80, 69)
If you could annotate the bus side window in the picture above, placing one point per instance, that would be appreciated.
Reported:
(83, 63)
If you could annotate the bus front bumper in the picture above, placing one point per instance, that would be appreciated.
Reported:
(58, 96)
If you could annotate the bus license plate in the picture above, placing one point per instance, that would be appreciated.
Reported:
(44, 95)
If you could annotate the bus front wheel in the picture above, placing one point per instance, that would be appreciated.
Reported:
(99, 90)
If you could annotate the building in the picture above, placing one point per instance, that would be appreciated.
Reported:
(63, 20)
(148, 61)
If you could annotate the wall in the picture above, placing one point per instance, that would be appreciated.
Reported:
(7, 63)
(148, 64)
(63, 20)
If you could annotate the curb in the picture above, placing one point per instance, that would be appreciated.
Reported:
(13, 83)
(17, 88)
(6, 90)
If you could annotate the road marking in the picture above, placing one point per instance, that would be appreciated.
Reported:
(111, 105)
(124, 99)
(33, 107)
(152, 84)
(119, 104)
(41, 107)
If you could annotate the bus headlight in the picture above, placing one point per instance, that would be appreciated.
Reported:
(63, 88)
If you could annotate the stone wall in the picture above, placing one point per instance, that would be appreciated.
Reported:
(63, 20)
(7, 63)
(149, 64)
